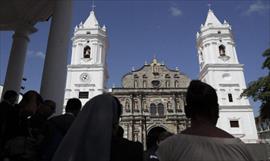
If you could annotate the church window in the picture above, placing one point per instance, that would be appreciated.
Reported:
(160, 109)
(83, 95)
(167, 76)
(87, 52)
(176, 76)
(234, 123)
(230, 97)
(156, 83)
(221, 50)
(153, 109)
(219, 32)
(176, 83)
(136, 76)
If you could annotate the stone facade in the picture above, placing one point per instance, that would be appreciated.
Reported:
(152, 96)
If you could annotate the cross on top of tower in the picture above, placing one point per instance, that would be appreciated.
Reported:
(209, 6)
(93, 5)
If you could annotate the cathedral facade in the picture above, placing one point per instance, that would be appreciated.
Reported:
(153, 98)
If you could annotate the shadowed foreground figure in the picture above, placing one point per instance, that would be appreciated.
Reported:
(57, 128)
(203, 140)
(90, 136)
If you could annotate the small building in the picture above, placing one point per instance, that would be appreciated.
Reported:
(263, 128)
(153, 100)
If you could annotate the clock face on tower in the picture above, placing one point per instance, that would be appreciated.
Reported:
(84, 77)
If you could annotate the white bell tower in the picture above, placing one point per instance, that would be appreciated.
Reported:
(219, 67)
(87, 74)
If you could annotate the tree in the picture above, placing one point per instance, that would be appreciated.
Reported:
(259, 90)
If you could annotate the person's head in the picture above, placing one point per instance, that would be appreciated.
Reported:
(202, 101)
(10, 97)
(120, 132)
(46, 109)
(73, 106)
(52, 106)
(30, 102)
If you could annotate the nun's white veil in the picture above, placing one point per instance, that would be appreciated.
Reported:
(89, 137)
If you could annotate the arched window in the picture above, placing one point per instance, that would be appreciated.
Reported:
(160, 109)
(230, 97)
(176, 83)
(87, 52)
(221, 50)
(167, 76)
(176, 76)
(153, 109)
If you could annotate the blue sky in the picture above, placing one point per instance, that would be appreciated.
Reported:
(138, 30)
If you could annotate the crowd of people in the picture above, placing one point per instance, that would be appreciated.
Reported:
(29, 131)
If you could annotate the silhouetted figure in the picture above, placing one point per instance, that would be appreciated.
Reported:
(124, 150)
(21, 143)
(152, 146)
(203, 140)
(151, 153)
(90, 136)
(57, 128)
(7, 110)
(52, 107)
(120, 132)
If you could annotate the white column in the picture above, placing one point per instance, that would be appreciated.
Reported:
(17, 57)
(55, 66)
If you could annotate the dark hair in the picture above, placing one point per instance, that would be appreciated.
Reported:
(10, 94)
(73, 105)
(51, 104)
(29, 94)
(120, 132)
(201, 100)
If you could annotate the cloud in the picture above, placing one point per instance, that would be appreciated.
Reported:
(36, 54)
(40, 54)
(257, 7)
(174, 11)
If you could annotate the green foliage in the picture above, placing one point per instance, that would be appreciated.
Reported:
(259, 90)
(266, 63)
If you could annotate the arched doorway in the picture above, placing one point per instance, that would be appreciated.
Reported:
(152, 136)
